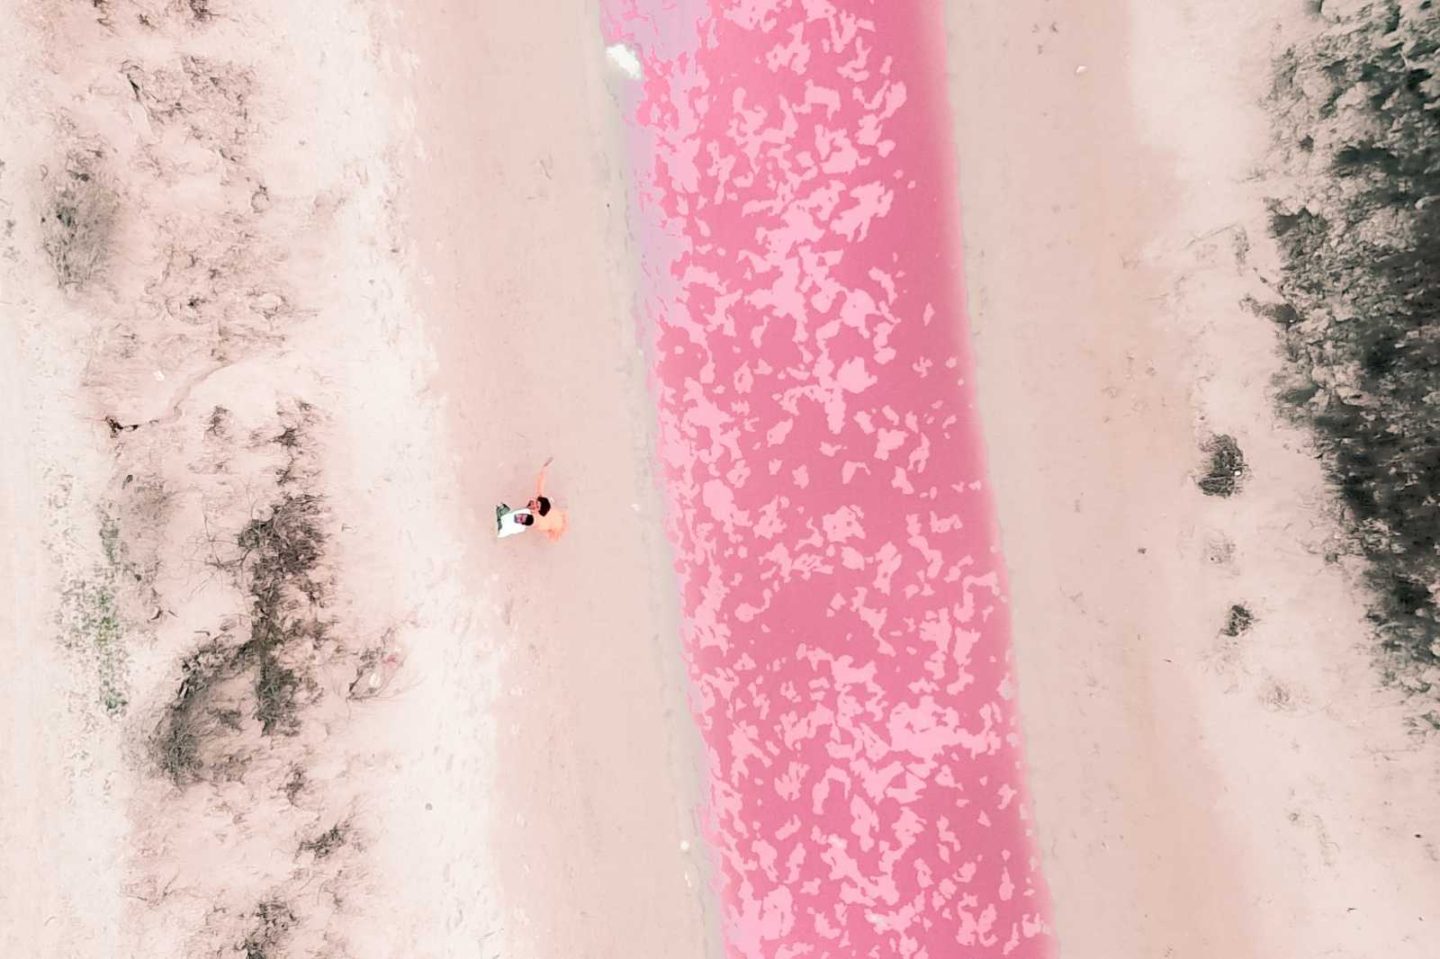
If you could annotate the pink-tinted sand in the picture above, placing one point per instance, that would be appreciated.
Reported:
(845, 619)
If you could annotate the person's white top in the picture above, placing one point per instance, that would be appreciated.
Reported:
(508, 525)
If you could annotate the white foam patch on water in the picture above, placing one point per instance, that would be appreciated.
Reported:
(625, 59)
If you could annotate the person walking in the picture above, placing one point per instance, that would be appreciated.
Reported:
(538, 513)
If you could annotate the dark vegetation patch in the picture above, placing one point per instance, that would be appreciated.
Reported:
(264, 677)
(1226, 468)
(218, 423)
(102, 11)
(299, 463)
(281, 554)
(117, 427)
(327, 842)
(281, 551)
(1238, 620)
(78, 218)
(295, 783)
(272, 922)
(1359, 295)
(193, 720)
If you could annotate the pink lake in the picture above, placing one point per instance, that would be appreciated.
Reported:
(844, 598)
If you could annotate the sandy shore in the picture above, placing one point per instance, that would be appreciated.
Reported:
(517, 216)
(1197, 794)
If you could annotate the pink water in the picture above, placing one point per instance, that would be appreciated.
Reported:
(844, 605)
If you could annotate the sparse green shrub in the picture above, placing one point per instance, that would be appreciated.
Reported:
(94, 630)
(275, 693)
(282, 551)
(295, 783)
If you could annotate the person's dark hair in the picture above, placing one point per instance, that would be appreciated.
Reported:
(542, 505)
(524, 519)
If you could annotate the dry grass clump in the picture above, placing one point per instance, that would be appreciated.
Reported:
(273, 920)
(78, 219)
(281, 554)
(328, 841)
(223, 681)
(198, 714)
(1238, 620)
(206, 98)
(1226, 469)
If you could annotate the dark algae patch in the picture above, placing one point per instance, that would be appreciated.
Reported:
(1357, 110)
